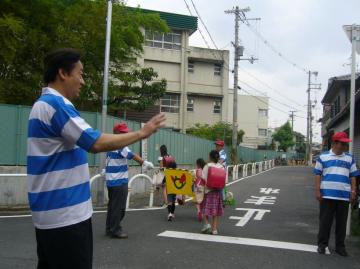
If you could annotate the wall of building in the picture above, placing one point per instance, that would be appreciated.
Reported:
(173, 66)
(203, 112)
(203, 80)
(249, 119)
(169, 71)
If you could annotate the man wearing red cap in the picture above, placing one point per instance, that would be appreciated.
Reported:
(219, 144)
(117, 183)
(335, 185)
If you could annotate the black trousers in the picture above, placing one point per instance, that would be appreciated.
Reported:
(116, 208)
(328, 210)
(65, 247)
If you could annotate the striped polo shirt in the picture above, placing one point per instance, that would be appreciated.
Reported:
(223, 157)
(335, 171)
(117, 167)
(57, 166)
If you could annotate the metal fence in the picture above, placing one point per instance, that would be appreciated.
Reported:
(185, 148)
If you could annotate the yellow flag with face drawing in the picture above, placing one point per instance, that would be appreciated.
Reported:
(178, 181)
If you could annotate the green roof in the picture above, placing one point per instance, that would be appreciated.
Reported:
(176, 21)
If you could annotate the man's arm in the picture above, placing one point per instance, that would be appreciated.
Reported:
(109, 142)
(317, 187)
(138, 159)
(353, 195)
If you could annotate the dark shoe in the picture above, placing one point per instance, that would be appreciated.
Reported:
(321, 249)
(119, 235)
(341, 252)
(107, 233)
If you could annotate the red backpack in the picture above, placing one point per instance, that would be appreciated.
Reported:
(216, 178)
(167, 160)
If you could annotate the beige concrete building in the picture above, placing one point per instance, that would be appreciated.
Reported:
(253, 117)
(197, 78)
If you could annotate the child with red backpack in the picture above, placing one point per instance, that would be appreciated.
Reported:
(214, 175)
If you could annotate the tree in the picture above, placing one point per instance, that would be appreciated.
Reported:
(300, 146)
(30, 29)
(220, 130)
(132, 95)
(284, 135)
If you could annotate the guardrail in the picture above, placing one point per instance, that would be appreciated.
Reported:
(244, 170)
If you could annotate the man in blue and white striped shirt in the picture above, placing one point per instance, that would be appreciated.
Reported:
(117, 178)
(57, 166)
(335, 185)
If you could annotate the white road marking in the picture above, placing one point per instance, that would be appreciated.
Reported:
(14, 216)
(261, 200)
(241, 241)
(248, 215)
(269, 191)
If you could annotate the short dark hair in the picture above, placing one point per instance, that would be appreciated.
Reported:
(59, 59)
(214, 156)
(200, 162)
(163, 150)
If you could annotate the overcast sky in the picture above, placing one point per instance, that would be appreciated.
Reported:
(308, 33)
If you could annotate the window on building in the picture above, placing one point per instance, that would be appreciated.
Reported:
(170, 103)
(217, 107)
(190, 104)
(217, 69)
(263, 112)
(191, 67)
(165, 41)
(262, 132)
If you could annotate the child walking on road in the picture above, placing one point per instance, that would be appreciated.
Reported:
(171, 198)
(199, 187)
(212, 205)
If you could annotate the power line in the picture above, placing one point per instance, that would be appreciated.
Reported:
(276, 108)
(268, 44)
(219, 56)
(271, 88)
(202, 35)
(277, 101)
(202, 22)
(262, 101)
(225, 62)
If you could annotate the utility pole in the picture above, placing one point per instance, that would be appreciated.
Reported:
(292, 119)
(292, 127)
(235, 11)
(355, 47)
(311, 86)
(353, 33)
(100, 183)
(239, 15)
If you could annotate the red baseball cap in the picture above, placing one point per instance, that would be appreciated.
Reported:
(121, 128)
(219, 143)
(341, 136)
